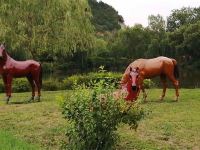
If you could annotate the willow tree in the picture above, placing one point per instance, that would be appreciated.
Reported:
(34, 27)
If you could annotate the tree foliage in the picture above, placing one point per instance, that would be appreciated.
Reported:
(183, 16)
(154, 40)
(185, 42)
(131, 42)
(45, 27)
(105, 17)
(60, 33)
(156, 23)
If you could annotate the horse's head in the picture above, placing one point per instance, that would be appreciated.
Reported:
(2, 52)
(132, 85)
(133, 75)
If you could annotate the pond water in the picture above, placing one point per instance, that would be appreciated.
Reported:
(190, 78)
(187, 79)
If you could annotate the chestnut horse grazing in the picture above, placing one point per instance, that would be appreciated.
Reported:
(10, 68)
(142, 69)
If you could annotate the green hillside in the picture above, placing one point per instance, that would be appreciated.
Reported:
(105, 17)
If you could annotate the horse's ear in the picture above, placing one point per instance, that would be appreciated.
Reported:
(2, 46)
(137, 69)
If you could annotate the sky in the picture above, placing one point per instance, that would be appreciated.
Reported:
(137, 11)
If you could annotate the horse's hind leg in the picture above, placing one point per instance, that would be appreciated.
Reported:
(30, 79)
(164, 83)
(38, 86)
(176, 85)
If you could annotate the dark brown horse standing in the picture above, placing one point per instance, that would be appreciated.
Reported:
(149, 68)
(10, 68)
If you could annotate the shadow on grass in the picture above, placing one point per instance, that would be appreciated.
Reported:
(159, 101)
(22, 102)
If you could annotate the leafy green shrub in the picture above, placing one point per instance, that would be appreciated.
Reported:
(94, 116)
(52, 85)
(75, 79)
(20, 85)
(87, 79)
(110, 77)
(148, 83)
(23, 85)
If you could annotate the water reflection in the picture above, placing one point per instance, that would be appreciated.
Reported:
(188, 79)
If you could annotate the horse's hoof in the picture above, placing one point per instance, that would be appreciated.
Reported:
(37, 99)
(161, 98)
(7, 99)
(145, 101)
(31, 100)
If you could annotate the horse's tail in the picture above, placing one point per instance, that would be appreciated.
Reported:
(176, 69)
(40, 76)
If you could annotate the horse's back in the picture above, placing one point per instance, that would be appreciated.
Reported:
(33, 62)
(158, 62)
(24, 68)
(152, 67)
(26, 64)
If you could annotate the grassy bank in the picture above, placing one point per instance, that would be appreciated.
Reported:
(170, 125)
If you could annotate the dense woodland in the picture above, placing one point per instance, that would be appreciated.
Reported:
(77, 36)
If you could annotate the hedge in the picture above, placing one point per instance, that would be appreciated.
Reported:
(53, 84)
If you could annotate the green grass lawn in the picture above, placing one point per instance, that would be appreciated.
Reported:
(9, 142)
(170, 125)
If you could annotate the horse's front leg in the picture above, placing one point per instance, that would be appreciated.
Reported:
(8, 85)
(144, 93)
(141, 85)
